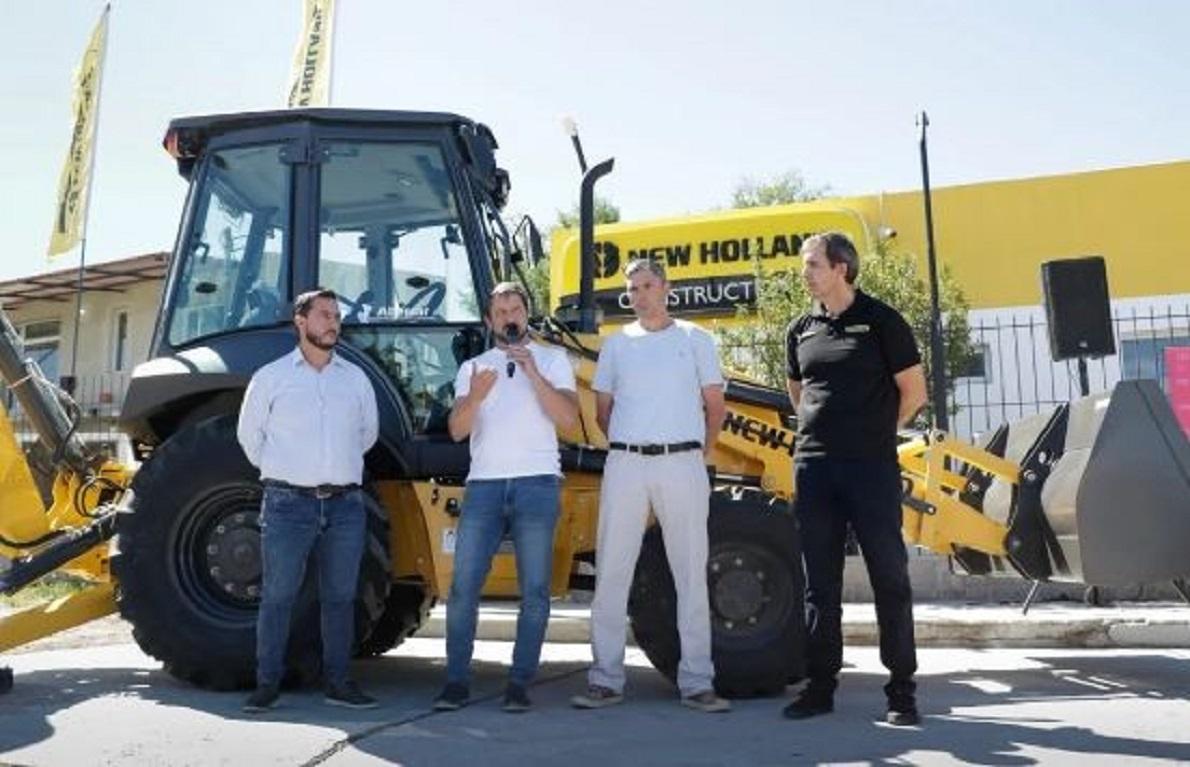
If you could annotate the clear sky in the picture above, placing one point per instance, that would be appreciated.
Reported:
(688, 96)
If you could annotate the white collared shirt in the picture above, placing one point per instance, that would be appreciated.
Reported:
(308, 427)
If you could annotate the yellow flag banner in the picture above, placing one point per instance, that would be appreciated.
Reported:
(75, 184)
(310, 80)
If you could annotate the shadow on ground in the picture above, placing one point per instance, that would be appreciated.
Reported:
(1049, 708)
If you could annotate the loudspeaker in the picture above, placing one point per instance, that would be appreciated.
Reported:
(1077, 308)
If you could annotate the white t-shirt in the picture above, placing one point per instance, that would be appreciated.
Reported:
(512, 436)
(656, 379)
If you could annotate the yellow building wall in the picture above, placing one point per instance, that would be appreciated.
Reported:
(994, 236)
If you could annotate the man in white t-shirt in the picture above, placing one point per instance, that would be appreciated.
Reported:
(660, 401)
(510, 401)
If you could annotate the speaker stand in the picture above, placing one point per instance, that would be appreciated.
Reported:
(1084, 380)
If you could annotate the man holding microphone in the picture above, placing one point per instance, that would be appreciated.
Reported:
(510, 401)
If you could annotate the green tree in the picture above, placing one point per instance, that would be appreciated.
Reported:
(537, 278)
(606, 212)
(782, 189)
(756, 347)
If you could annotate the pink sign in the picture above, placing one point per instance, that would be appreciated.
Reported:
(1177, 383)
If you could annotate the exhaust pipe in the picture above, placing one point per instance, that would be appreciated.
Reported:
(588, 320)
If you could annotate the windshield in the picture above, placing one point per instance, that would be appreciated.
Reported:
(390, 239)
(233, 270)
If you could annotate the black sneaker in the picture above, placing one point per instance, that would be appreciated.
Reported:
(348, 695)
(902, 710)
(813, 700)
(453, 697)
(262, 699)
(516, 701)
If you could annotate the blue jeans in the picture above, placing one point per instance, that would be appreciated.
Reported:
(528, 507)
(292, 526)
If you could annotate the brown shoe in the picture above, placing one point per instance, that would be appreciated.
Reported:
(597, 697)
(707, 702)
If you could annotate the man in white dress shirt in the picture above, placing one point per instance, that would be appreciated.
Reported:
(306, 422)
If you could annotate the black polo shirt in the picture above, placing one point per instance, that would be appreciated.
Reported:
(846, 364)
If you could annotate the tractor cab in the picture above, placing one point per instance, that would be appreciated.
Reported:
(397, 212)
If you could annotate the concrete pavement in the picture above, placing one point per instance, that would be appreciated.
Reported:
(113, 706)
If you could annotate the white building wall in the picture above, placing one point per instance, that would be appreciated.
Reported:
(1020, 378)
(100, 383)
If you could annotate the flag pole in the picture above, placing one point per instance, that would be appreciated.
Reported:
(78, 304)
(330, 54)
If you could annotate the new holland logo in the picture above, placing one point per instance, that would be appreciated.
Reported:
(607, 259)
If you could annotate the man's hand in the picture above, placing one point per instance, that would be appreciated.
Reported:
(462, 415)
(524, 360)
(482, 381)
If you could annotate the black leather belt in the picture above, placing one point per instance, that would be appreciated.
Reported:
(675, 447)
(321, 492)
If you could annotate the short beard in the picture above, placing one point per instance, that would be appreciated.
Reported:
(314, 341)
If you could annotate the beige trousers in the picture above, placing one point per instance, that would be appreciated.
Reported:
(677, 490)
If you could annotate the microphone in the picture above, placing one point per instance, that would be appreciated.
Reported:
(512, 333)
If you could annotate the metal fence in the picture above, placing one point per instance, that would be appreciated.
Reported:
(1012, 374)
(99, 398)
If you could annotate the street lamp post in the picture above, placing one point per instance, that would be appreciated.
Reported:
(937, 349)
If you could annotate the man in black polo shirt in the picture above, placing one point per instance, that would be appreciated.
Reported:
(854, 376)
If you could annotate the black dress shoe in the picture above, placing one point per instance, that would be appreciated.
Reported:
(812, 701)
(262, 699)
(902, 709)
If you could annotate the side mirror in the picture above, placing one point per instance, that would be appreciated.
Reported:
(533, 251)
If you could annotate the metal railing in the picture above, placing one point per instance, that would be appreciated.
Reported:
(99, 398)
(1013, 376)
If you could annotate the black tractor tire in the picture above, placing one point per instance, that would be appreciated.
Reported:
(756, 591)
(186, 558)
(406, 609)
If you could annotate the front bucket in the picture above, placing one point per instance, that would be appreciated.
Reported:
(1118, 498)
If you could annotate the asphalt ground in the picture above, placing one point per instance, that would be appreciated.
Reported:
(89, 696)
(111, 705)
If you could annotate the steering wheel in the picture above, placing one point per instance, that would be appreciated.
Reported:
(357, 306)
(431, 295)
(263, 306)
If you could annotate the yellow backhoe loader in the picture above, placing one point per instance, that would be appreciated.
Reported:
(399, 213)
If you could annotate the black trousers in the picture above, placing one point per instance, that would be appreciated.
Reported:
(830, 494)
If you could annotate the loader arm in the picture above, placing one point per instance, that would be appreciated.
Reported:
(70, 534)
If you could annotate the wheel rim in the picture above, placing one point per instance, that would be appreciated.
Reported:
(216, 556)
(750, 590)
